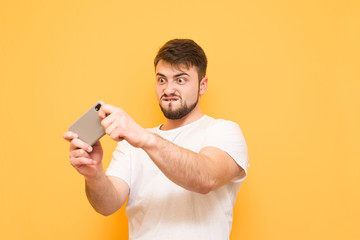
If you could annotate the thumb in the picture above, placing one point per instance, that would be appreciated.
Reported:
(106, 110)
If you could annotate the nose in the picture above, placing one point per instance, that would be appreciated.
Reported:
(169, 88)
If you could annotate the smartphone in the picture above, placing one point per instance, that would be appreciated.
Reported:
(88, 127)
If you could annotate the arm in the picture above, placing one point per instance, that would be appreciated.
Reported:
(199, 172)
(105, 194)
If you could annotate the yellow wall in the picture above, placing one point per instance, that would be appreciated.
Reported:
(286, 71)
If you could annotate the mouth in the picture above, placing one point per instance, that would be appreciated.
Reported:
(169, 99)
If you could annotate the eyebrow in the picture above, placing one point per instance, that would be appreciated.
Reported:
(181, 74)
(176, 75)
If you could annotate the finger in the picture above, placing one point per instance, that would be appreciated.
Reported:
(68, 136)
(78, 144)
(107, 121)
(111, 128)
(114, 130)
(106, 110)
(79, 153)
(76, 162)
(116, 135)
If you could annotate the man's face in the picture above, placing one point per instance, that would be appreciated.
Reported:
(177, 89)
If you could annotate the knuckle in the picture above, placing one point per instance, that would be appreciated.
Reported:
(116, 137)
(77, 143)
(72, 161)
(65, 136)
(74, 142)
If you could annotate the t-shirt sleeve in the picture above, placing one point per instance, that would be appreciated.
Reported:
(227, 136)
(120, 165)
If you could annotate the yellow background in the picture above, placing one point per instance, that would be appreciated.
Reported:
(286, 71)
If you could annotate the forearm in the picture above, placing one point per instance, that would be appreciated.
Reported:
(199, 172)
(190, 170)
(102, 195)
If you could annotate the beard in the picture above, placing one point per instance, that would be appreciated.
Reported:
(179, 113)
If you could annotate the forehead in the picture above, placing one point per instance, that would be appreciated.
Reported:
(166, 68)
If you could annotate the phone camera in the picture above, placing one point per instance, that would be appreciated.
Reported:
(97, 107)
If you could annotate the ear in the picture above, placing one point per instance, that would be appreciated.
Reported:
(203, 85)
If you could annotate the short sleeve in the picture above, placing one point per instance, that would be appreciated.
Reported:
(227, 136)
(120, 165)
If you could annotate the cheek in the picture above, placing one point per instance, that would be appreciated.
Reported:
(158, 91)
(191, 94)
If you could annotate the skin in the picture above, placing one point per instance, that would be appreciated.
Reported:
(199, 172)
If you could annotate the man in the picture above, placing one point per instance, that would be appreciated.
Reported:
(181, 178)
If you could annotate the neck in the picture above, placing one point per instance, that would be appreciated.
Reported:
(189, 118)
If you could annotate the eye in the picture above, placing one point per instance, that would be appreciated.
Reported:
(161, 80)
(181, 80)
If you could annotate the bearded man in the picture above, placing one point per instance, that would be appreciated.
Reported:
(180, 179)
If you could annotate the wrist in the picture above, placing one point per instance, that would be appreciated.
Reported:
(150, 141)
(95, 178)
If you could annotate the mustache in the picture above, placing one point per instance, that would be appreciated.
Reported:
(171, 95)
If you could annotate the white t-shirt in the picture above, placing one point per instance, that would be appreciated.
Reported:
(159, 209)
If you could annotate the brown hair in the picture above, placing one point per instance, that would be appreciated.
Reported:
(183, 52)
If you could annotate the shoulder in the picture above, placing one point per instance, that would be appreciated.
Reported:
(221, 124)
(225, 132)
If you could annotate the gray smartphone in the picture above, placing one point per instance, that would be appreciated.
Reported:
(88, 127)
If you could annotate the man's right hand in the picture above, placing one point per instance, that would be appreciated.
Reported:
(85, 159)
